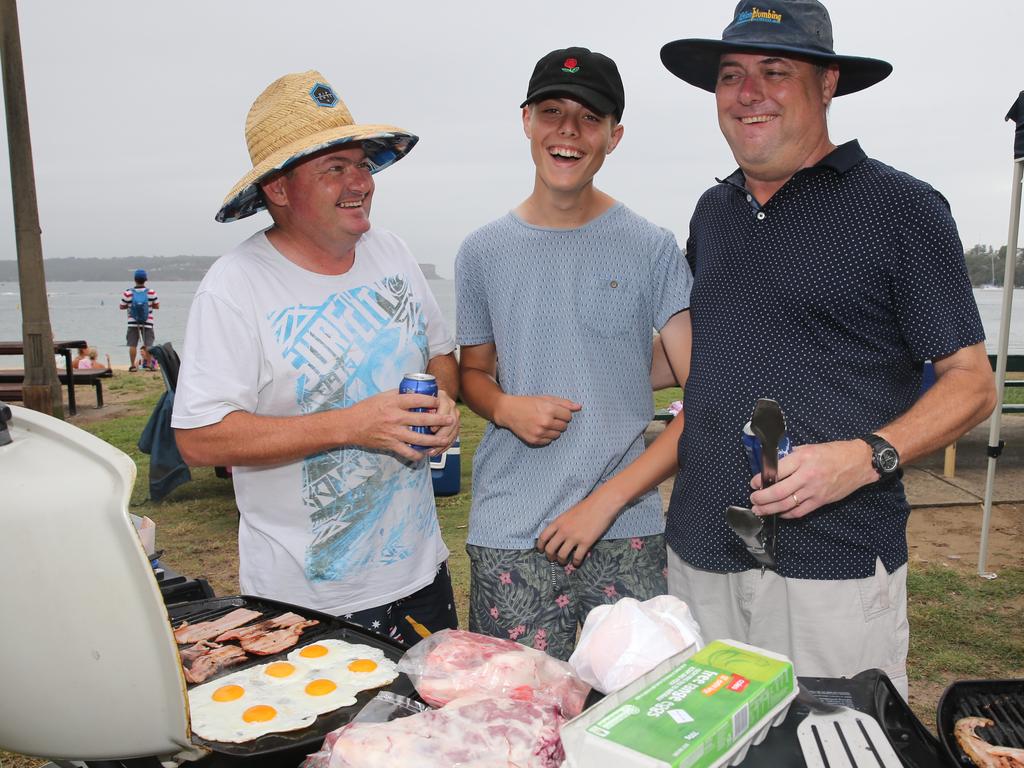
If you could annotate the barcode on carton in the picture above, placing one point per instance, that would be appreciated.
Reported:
(740, 722)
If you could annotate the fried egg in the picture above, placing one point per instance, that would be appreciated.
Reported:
(277, 673)
(288, 694)
(239, 724)
(330, 653)
(236, 709)
(320, 692)
(364, 673)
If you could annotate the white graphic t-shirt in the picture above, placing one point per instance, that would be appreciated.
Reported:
(346, 529)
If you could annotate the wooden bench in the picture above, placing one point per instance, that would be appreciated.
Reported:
(11, 381)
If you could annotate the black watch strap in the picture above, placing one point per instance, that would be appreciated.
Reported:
(884, 457)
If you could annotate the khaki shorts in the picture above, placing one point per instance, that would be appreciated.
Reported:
(828, 628)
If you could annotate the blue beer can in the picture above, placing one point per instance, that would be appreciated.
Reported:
(752, 447)
(419, 384)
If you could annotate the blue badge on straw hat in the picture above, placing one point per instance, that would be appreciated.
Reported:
(323, 95)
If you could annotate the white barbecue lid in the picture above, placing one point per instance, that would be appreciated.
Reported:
(88, 664)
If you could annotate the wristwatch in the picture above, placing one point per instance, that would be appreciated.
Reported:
(884, 458)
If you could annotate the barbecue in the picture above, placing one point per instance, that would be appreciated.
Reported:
(981, 723)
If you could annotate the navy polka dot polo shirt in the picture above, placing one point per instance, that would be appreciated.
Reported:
(828, 299)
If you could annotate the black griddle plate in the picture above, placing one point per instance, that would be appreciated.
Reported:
(289, 748)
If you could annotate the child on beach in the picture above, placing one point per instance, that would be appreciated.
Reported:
(87, 359)
(556, 303)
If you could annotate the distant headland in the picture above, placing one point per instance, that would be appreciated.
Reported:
(160, 269)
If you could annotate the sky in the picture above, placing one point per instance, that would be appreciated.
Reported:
(137, 109)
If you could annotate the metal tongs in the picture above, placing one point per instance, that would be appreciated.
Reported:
(768, 425)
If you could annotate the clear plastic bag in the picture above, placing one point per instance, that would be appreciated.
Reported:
(382, 708)
(470, 732)
(453, 663)
(621, 642)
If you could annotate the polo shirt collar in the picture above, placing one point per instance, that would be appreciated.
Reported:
(841, 159)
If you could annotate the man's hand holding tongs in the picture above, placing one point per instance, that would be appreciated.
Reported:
(813, 476)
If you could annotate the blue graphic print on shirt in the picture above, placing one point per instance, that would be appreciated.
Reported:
(354, 345)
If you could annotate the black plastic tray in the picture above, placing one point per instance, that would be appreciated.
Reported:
(290, 747)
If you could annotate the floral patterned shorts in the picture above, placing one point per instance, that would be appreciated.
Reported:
(521, 595)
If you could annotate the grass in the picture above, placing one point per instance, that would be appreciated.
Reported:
(961, 627)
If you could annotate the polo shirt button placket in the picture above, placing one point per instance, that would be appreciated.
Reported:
(760, 215)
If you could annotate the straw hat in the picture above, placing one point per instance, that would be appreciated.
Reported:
(296, 116)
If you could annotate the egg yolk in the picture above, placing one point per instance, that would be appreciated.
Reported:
(313, 652)
(362, 665)
(320, 687)
(280, 669)
(228, 693)
(261, 713)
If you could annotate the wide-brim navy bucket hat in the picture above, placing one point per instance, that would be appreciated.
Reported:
(799, 28)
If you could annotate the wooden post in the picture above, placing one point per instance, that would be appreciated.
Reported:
(42, 387)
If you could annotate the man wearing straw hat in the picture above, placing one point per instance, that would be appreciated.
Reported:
(295, 345)
(823, 279)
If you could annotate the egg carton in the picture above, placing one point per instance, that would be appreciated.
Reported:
(705, 711)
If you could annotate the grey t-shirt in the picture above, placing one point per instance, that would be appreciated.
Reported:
(572, 314)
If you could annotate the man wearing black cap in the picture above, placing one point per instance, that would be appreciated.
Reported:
(822, 279)
(556, 305)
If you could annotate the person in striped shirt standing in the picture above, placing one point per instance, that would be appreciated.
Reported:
(140, 302)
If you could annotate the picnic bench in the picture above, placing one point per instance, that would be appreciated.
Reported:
(11, 387)
(11, 380)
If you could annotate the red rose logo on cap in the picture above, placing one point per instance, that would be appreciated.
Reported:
(571, 65)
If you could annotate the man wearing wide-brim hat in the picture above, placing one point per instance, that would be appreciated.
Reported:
(296, 342)
(823, 279)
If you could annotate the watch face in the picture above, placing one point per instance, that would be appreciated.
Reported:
(888, 460)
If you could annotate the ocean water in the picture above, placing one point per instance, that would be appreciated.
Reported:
(89, 310)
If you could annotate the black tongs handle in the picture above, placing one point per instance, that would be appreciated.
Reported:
(769, 425)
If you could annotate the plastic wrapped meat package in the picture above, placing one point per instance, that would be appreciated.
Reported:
(469, 732)
(621, 642)
(454, 663)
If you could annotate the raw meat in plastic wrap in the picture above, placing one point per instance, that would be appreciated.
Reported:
(470, 732)
(621, 642)
(453, 663)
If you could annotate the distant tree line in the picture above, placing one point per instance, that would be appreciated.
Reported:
(159, 269)
(987, 266)
(164, 268)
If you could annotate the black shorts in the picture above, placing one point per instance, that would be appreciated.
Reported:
(412, 618)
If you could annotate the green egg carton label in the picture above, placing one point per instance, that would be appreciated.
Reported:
(696, 713)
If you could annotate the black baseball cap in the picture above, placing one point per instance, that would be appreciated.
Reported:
(578, 74)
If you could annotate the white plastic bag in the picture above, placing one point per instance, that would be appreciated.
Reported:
(621, 642)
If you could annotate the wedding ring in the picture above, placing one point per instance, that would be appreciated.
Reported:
(796, 501)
